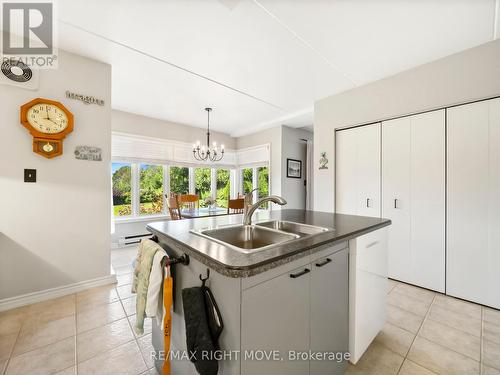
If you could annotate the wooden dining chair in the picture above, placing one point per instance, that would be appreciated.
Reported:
(189, 201)
(235, 205)
(173, 207)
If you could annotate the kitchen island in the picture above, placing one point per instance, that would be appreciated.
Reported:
(293, 298)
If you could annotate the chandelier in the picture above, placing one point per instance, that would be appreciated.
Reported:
(208, 153)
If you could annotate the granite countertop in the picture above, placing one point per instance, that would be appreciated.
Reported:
(227, 261)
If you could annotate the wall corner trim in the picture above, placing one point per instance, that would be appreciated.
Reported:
(43, 295)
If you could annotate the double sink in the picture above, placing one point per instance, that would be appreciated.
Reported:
(260, 236)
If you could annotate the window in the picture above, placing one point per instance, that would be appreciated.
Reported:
(179, 180)
(202, 186)
(263, 183)
(151, 189)
(139, 188)
(247, 180)
(223, 187)
(122, 189)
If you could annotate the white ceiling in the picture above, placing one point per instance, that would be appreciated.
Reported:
(263, 62)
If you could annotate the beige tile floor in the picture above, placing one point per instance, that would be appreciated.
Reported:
(429, 333)
(90, 333)
(84, 333)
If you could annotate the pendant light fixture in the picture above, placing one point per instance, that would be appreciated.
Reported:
(208, 152)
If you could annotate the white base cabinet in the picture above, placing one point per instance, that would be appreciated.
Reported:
(367, 290)
(473, 210)
(305, 308)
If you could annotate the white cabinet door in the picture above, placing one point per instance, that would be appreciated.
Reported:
(329, 311)
(427, 189)
(473, 251)
(358, 171)
(275, 316)
(396, 154)
(367, 290)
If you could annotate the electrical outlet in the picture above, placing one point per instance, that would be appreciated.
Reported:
(30, 175)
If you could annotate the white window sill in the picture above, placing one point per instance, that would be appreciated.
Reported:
(134, 219)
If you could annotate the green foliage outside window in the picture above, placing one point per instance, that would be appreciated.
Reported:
(151, 189)
(202, 184)
(122, 191)
(223, 187)
(247, 180)
(263, 181)
(179, 180)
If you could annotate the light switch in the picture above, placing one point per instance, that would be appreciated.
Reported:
(30, 175)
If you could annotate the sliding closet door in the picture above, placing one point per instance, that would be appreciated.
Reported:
(346, 189)
(368, 168)
(493, 297)
(473, 257)
(396, 195)
(358, 171)
(427, 231)
(413, 186)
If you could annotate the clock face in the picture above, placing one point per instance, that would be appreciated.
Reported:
(47, 118)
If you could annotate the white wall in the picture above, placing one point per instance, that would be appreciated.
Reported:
(146, 126)
(466, 76)
(57, 231)
(294, 147)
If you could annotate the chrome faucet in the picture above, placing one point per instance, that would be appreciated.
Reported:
(247, 201)
(248, 211)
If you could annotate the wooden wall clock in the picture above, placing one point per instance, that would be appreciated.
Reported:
(49, 122)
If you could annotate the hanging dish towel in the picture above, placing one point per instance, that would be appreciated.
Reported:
(154, 304)
(203, 327)
(167, 320)
(140, 285)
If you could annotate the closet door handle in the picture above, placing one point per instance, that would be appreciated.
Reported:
(323, 263)
(301, 273)
(395, 203)
(368, 202)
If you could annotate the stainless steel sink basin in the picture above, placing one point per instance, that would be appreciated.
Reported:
(247, 238)
(295, 228)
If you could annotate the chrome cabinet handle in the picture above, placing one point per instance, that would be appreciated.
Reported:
(323, 263)
(368, 202)
(298, 274)
(395, 203)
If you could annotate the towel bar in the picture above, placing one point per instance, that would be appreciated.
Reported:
(183, 259)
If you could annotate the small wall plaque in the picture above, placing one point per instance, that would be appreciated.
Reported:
(323, 161)
(88, 153)
(87, 99)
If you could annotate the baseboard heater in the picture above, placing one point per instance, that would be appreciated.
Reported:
(131, 240)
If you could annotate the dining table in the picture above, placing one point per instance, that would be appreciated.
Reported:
(203, 212)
